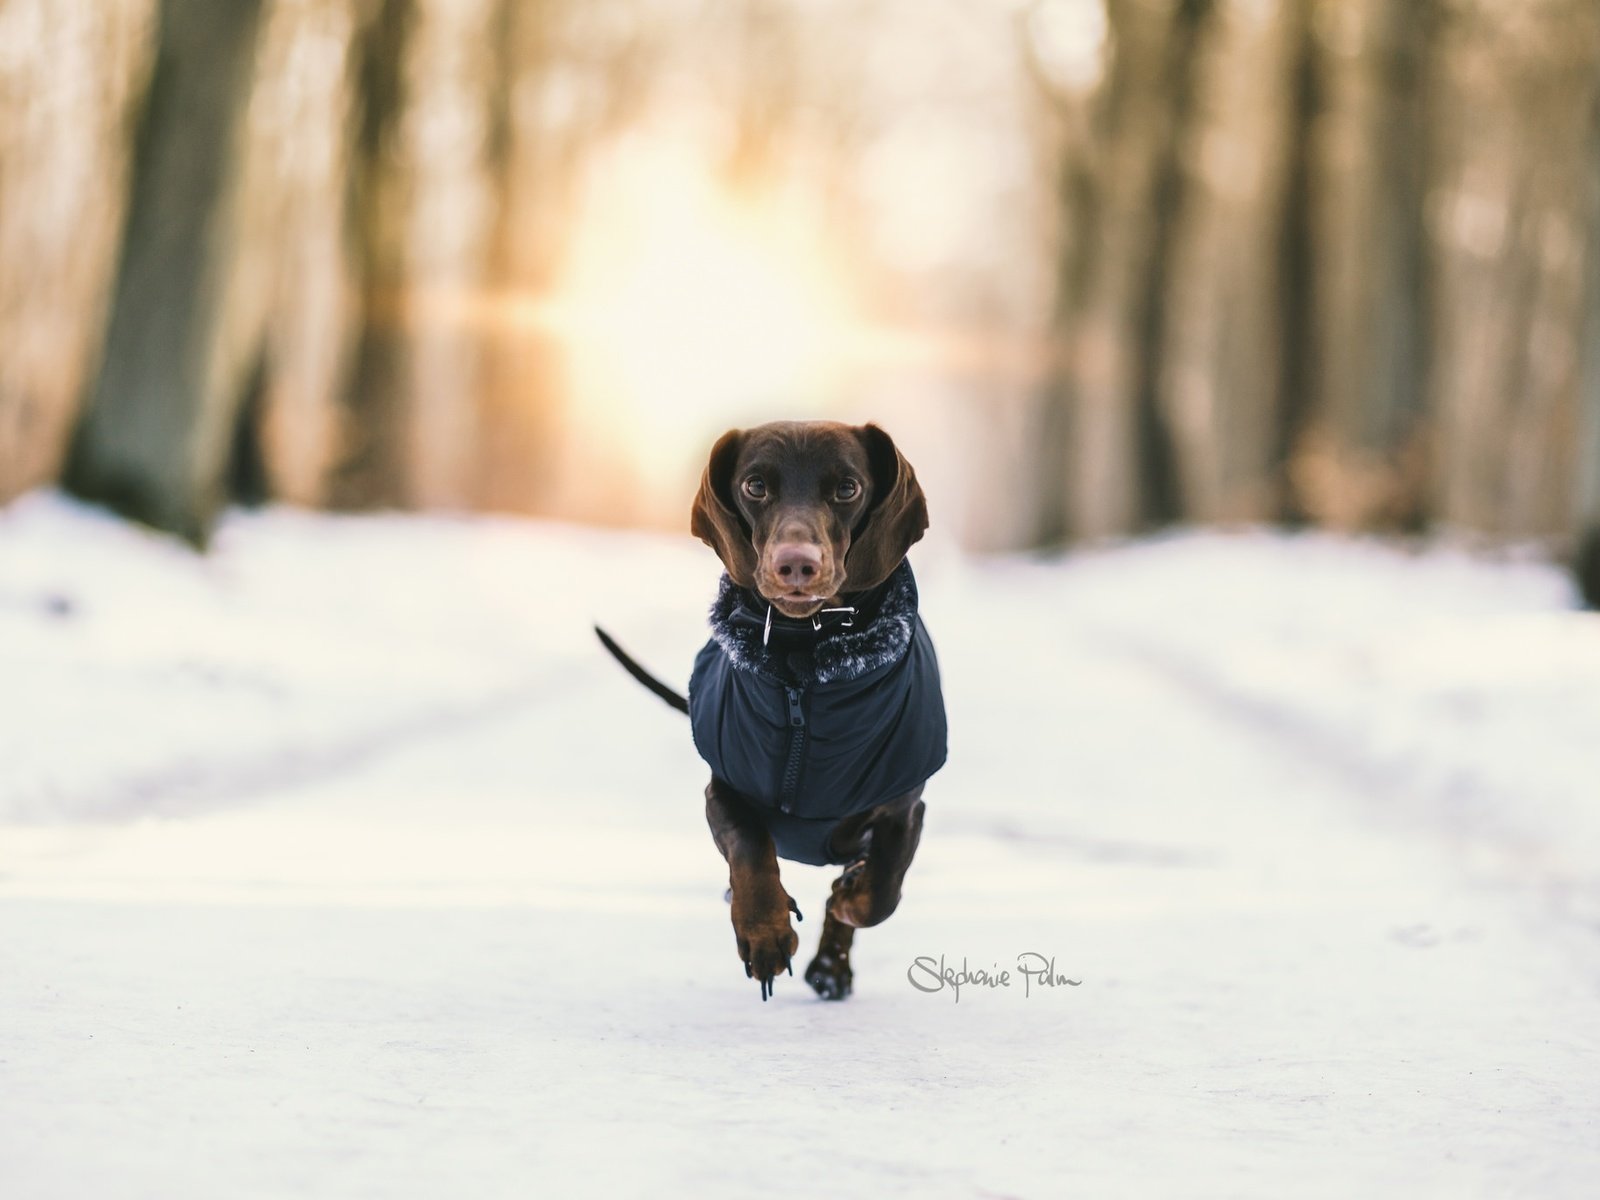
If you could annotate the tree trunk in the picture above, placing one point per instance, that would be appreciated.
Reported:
(1160, 500)
(372, 469)
(1399, 314)
(157, 435)
(1298, 370)
(1114, 318)
(72, 80)
(515, 454)
(1586, 562)
(1077, 200)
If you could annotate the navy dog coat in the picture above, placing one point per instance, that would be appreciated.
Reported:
(813, 728)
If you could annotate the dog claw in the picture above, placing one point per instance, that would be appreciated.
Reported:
(795, 909)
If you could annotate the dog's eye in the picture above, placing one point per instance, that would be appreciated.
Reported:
(848, 489)
(755, 487)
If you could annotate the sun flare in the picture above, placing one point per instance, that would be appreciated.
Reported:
(685, 307)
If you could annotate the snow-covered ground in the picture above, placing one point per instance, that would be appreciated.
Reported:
(342, 862)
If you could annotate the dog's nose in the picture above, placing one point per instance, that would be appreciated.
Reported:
(796, 563)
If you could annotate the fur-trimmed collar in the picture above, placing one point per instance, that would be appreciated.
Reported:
(841, 654)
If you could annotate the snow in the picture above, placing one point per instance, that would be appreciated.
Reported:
(343, 862)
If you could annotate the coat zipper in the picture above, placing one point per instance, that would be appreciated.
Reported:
(797, 746)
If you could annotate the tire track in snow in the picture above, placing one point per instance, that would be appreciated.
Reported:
(1476, 822)
(189, 786)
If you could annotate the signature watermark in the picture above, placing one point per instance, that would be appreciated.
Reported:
(1033, 970)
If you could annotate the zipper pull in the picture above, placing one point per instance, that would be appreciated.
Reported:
(797, 717)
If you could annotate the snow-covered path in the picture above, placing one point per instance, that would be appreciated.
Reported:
(362, 873)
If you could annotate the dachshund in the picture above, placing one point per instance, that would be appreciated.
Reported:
(817, 700)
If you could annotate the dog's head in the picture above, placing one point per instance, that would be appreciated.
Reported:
(804, 511)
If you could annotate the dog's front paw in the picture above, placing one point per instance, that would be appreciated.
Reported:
(829, 974)
(766, 940)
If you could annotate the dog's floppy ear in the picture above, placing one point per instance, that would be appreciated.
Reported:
(895, 521)
(715, 520)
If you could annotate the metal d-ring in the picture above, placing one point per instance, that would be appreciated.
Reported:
(816, 621)
(847, 623)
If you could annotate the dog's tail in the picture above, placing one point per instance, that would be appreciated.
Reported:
(632, 668)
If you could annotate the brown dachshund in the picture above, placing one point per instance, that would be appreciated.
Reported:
(817, 701)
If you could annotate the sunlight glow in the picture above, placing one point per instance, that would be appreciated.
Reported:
(1069, 40)
(684, 308)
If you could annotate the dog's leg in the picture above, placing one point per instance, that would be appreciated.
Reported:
(869, 890)
(761, 907)
(829, 973)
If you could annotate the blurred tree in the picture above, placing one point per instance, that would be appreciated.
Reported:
(451, 74)
(516, 452)
(1402, 346)
(1328, 261)
(564, 79)
(294, 284)
(1074, 159)
(157, 436)
(371, 471)
(1219, 384)
(71, 78)
(1159, 486)
(1508, 214)
(1122, 218)
(1586, 556)
(1357, 266)
(1298, 348)
(1393, 392)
